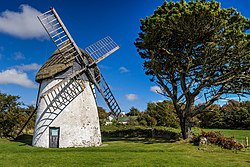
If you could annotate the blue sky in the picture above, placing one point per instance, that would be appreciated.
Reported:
(24, 45)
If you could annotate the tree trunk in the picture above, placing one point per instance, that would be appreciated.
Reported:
(185, 128)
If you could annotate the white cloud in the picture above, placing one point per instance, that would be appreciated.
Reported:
(156, 89)
(12, 76)
(103, 66)
(157, 101)
(23, 24)
(228, 98)
(131, 97)
(18, 56)
(123, 70)
(28, 67)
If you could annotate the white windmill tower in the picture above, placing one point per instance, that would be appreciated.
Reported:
(66, 108)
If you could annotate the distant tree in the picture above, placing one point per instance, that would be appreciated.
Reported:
(164, 113)
(192, 48)
(13, 114)
(246, 105)
(159, 114)
(146, 120)
(8, 109)
(133, 112)
(236, 114)
(142, 120)
(231, 106)
(132, 120)
(8, 102)
(103, 115)
(241, 118)
(231, 115)
(212, 119)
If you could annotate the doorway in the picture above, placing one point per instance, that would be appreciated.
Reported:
(54, 137)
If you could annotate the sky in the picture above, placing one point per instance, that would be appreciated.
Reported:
(25, 46)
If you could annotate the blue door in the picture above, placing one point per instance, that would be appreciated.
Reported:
(54, 137)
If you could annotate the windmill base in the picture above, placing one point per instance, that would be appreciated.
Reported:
(76, 125)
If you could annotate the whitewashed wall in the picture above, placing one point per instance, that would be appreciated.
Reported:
(78, 122)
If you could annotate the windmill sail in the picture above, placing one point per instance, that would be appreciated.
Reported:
(59, 34)
(107, 94)
(61, 37)
(101, 49)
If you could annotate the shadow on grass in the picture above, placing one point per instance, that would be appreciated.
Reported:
(25, 139)
(139, 140)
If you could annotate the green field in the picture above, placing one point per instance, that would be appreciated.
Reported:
(125, 153)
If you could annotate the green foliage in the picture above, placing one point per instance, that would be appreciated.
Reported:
(159, 114)
(132, 120)
(236, 115)
(133, 112)
(164, 113)
(13, 115)
(103, 115)
(146, 120)
(196, 47)
(231, 115)
(212, 119)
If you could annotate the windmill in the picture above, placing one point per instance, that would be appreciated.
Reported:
(66, 106)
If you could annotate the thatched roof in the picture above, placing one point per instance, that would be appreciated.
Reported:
(56, 64)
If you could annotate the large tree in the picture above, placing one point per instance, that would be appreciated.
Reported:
(194, 49)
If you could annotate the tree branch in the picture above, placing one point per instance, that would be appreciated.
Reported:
(209, 102)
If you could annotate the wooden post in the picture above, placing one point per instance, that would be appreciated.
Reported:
(246, 141)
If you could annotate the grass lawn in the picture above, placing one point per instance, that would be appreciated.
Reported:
(123, 153)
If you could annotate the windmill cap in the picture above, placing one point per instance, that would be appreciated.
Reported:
(56, 64)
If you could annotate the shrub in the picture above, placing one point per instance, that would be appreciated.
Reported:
(218, 139)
